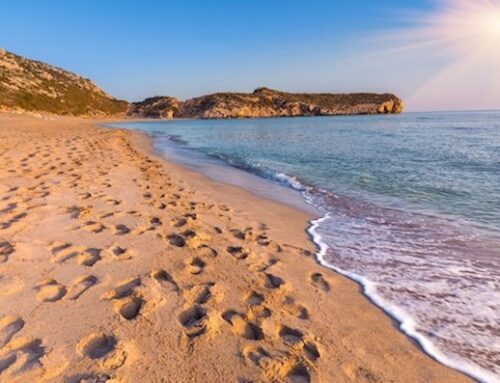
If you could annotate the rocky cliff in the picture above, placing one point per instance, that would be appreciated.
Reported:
(35, 86)
(156, 107)
(264, 102)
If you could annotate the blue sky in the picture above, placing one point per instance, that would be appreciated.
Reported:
(135, 49)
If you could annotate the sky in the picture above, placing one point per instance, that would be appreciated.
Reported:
(135, 49)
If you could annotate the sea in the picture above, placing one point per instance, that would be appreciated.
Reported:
(407, 205)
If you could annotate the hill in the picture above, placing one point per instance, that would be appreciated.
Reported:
(264, 102)
(35, 86)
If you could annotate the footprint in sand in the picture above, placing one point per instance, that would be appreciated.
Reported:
(206, 251)
(123, 289)
(9, 326)
(155, 221)
(290, 335)
(119, 252)
(77, 212)
(238, 234)
(193, 320)
(184, 220)
(319, 281)
(63, 251)
(199, 294)
(85, 196)
(271, 281)
(126, 302)
(89, 257)
(162, 206)
(164, 279)
(97, 345)
(9, 207)
(257, 354)
(263, 240)
(288, 368)
(179, 222)
(265, 263)
(80, 285)
(237, 252)
(121, 229)
(188, 234)
(223, 207)
(294, 309)
(128, 307)
(241, 326)
(20, 355)
(90, 378)
(195, 265)
(311, 350)
(12, 220)
(106, 215)
(295, 372)
(176, 240)
(49, 291)
(253, 298)
(92, 226)
(6, 249)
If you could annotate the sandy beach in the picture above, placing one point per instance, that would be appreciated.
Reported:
(117, 266)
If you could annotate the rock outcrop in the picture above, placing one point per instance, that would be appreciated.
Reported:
(156, 107)
(29, 85)
(264, 102)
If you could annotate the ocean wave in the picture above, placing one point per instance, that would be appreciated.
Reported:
(414, 324)
(290, 181)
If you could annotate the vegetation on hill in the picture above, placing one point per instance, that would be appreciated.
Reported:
(264, 102)
(35, 86)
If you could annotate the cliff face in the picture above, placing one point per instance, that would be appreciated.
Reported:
(264, 102)
(35, 86)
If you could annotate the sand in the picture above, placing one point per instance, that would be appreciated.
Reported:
(118, 266)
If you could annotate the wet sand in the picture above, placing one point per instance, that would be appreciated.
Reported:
(118, 266)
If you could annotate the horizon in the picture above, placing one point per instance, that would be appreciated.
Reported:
(415, 51)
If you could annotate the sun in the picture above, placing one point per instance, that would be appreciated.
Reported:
(455, 48)
(466, 25)
(490, 25)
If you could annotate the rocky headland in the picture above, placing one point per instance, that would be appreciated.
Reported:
(264, 102)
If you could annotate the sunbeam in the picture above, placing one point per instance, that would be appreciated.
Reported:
(463, 38)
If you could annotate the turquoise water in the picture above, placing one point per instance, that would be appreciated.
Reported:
(410, 207)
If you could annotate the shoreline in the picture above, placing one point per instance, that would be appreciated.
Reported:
(343, 335)
(402, 321)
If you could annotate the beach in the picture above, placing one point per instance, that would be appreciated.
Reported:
(118, 266)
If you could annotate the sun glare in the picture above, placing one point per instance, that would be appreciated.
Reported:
(468, 24)
(487, 24)
(463, 38)
(492, 25)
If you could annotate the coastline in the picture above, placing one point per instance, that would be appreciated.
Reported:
(340, 334)
(403, 321)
